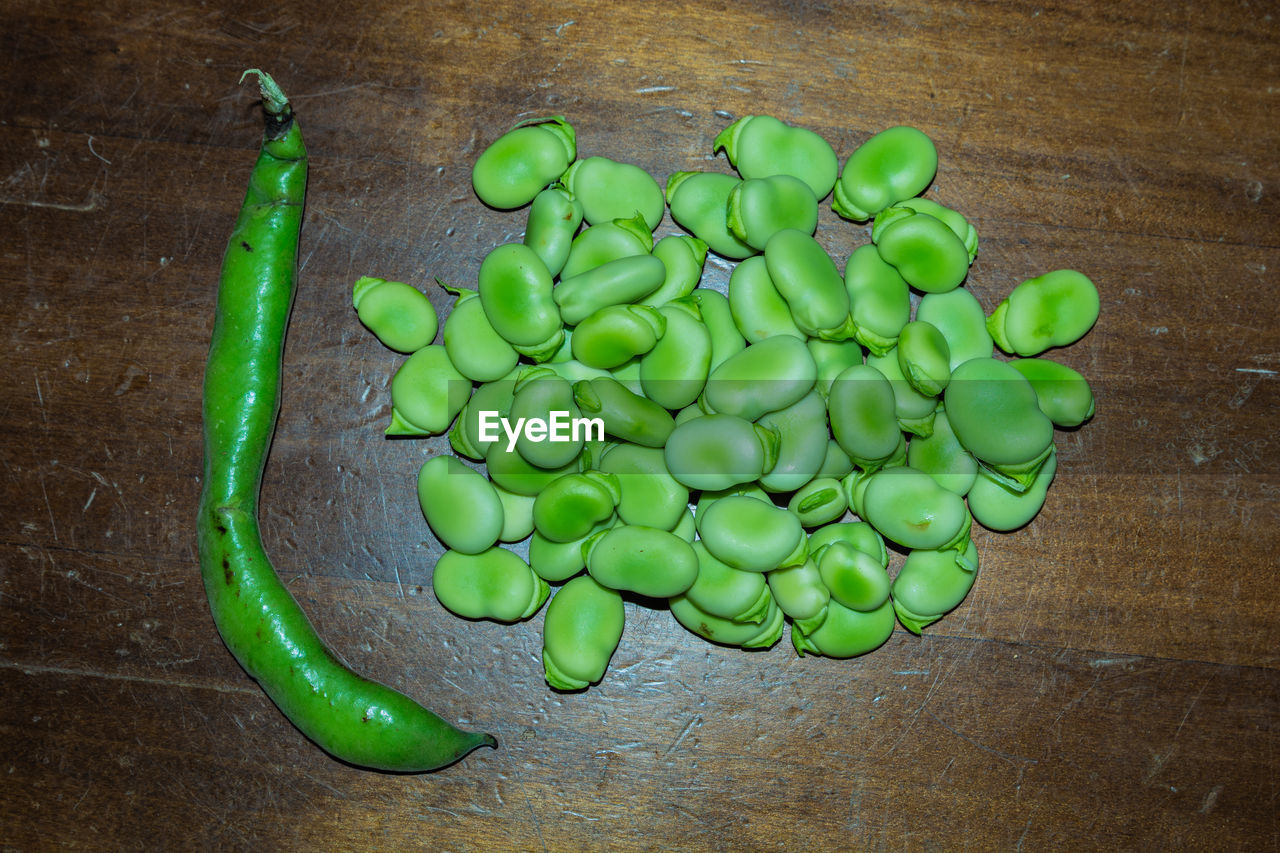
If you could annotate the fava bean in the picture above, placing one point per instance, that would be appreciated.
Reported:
(808, 280)
(398, 314)
(494, 396)
(615, 334)
(859, 534)
(475, 349)
(818, 502)
(644, 560)
(832, 358)
(612, 190)
(996, 417)
(539, 392)
(511, 471)
(752, 535)
(798, 590)
(520, 163)
(893, 165)
(951, 218)
(607, 241)
(959, 316)
(856, 579)
(683, 257)
(717, 316)
(764, 377)
(650, 496)
(554, 219)
(761, 207)
(515, 291)
(729, 593)
(861, 405)
(616, 282)
(517, 515)
(570, 506)
(942, 457)
(926, 252)
(914, 411)
(699, 202)
(674, 373)
(494, 584)
(1051, 310)
(581, 631)
(835, 462)
(627, 416)
(427, 392)
(997, 507)
(761, 146)
(802, 434)
(879, 299)
(844, 632)
(924, 357)
(746, 635)
(759, 311)
(931, 584)
(558, 561)
(909, 507)
(1062, 393)
(461, 506)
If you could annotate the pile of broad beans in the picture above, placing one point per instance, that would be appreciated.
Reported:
(741, 458)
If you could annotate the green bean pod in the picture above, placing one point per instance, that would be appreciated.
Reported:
(607, 241)
(616, 334)
(398, 314)
(930, 584)
(713, 452)
(474, 347)
(515, 291)
(997, 507)
(1051, 310)
(644, 560)
(683, 256)
(650, 496)
(761, 207)
(752, 535)
(615, 282)
(568, 508)
(699, 203)
(762, 146)
(879, 299)
(958, 315)
(764, 377)
(759, 311)
(802, 443)
(494, 584)
(843, 632)
(726, 592)
(516, 166)
(893, 165)
(554, 219)
(581, 631)
(807, 278)
(625, 415)
(1062, 393)
(745, 635)
(609, 190)
(427, 393)
(352, 718)
(460, 505)
(909, 507)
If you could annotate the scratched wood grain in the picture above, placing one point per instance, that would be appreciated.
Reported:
(1110, 683)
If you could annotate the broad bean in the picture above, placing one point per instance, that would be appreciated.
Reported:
(798, 590)
(674, 373)
(761, 146)
(747, 635)
(855, 578)
(752, 535)
(997, 507)
(909, 507)
(607, 241)
(627, 416)
(427, 393)
(879, 299)
(621, 281)
(494, 584)
(1050, 310)
(764, 377)
(519, 164)
(842, 632)
(893, 165)
(729, 593)
(959, 316)
(931, 584)
(1062, 393)
(699, 202)
(515, 291)
(398, 314)
(644, 560)
(650, 496)
(996, 417)
(581, 631)
(474, 347)
(570, 506)
(554, 219)
(460, 505)
(807, 278)
(609, 189)
(761, 207)
(759, 311)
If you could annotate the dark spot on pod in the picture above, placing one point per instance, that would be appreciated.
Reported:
(244, 244)
(228, 575)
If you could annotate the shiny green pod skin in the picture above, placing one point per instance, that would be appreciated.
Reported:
(474, 348)
(516, 166)
(893, 165)
(609, 189)
(761, 146)
(843, 632)
(761, 207)
(1050, 310)
(494, 584)
(515, 291)
(699, 203)
(554, 218)
(351, 717)
(398, 314)
(644, 560)
(460, 505)
(930, 584)
(581, 631)
(427, 393)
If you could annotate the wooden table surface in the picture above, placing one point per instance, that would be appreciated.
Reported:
(1111, 682)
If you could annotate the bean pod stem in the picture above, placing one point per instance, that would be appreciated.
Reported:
(352, 718)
